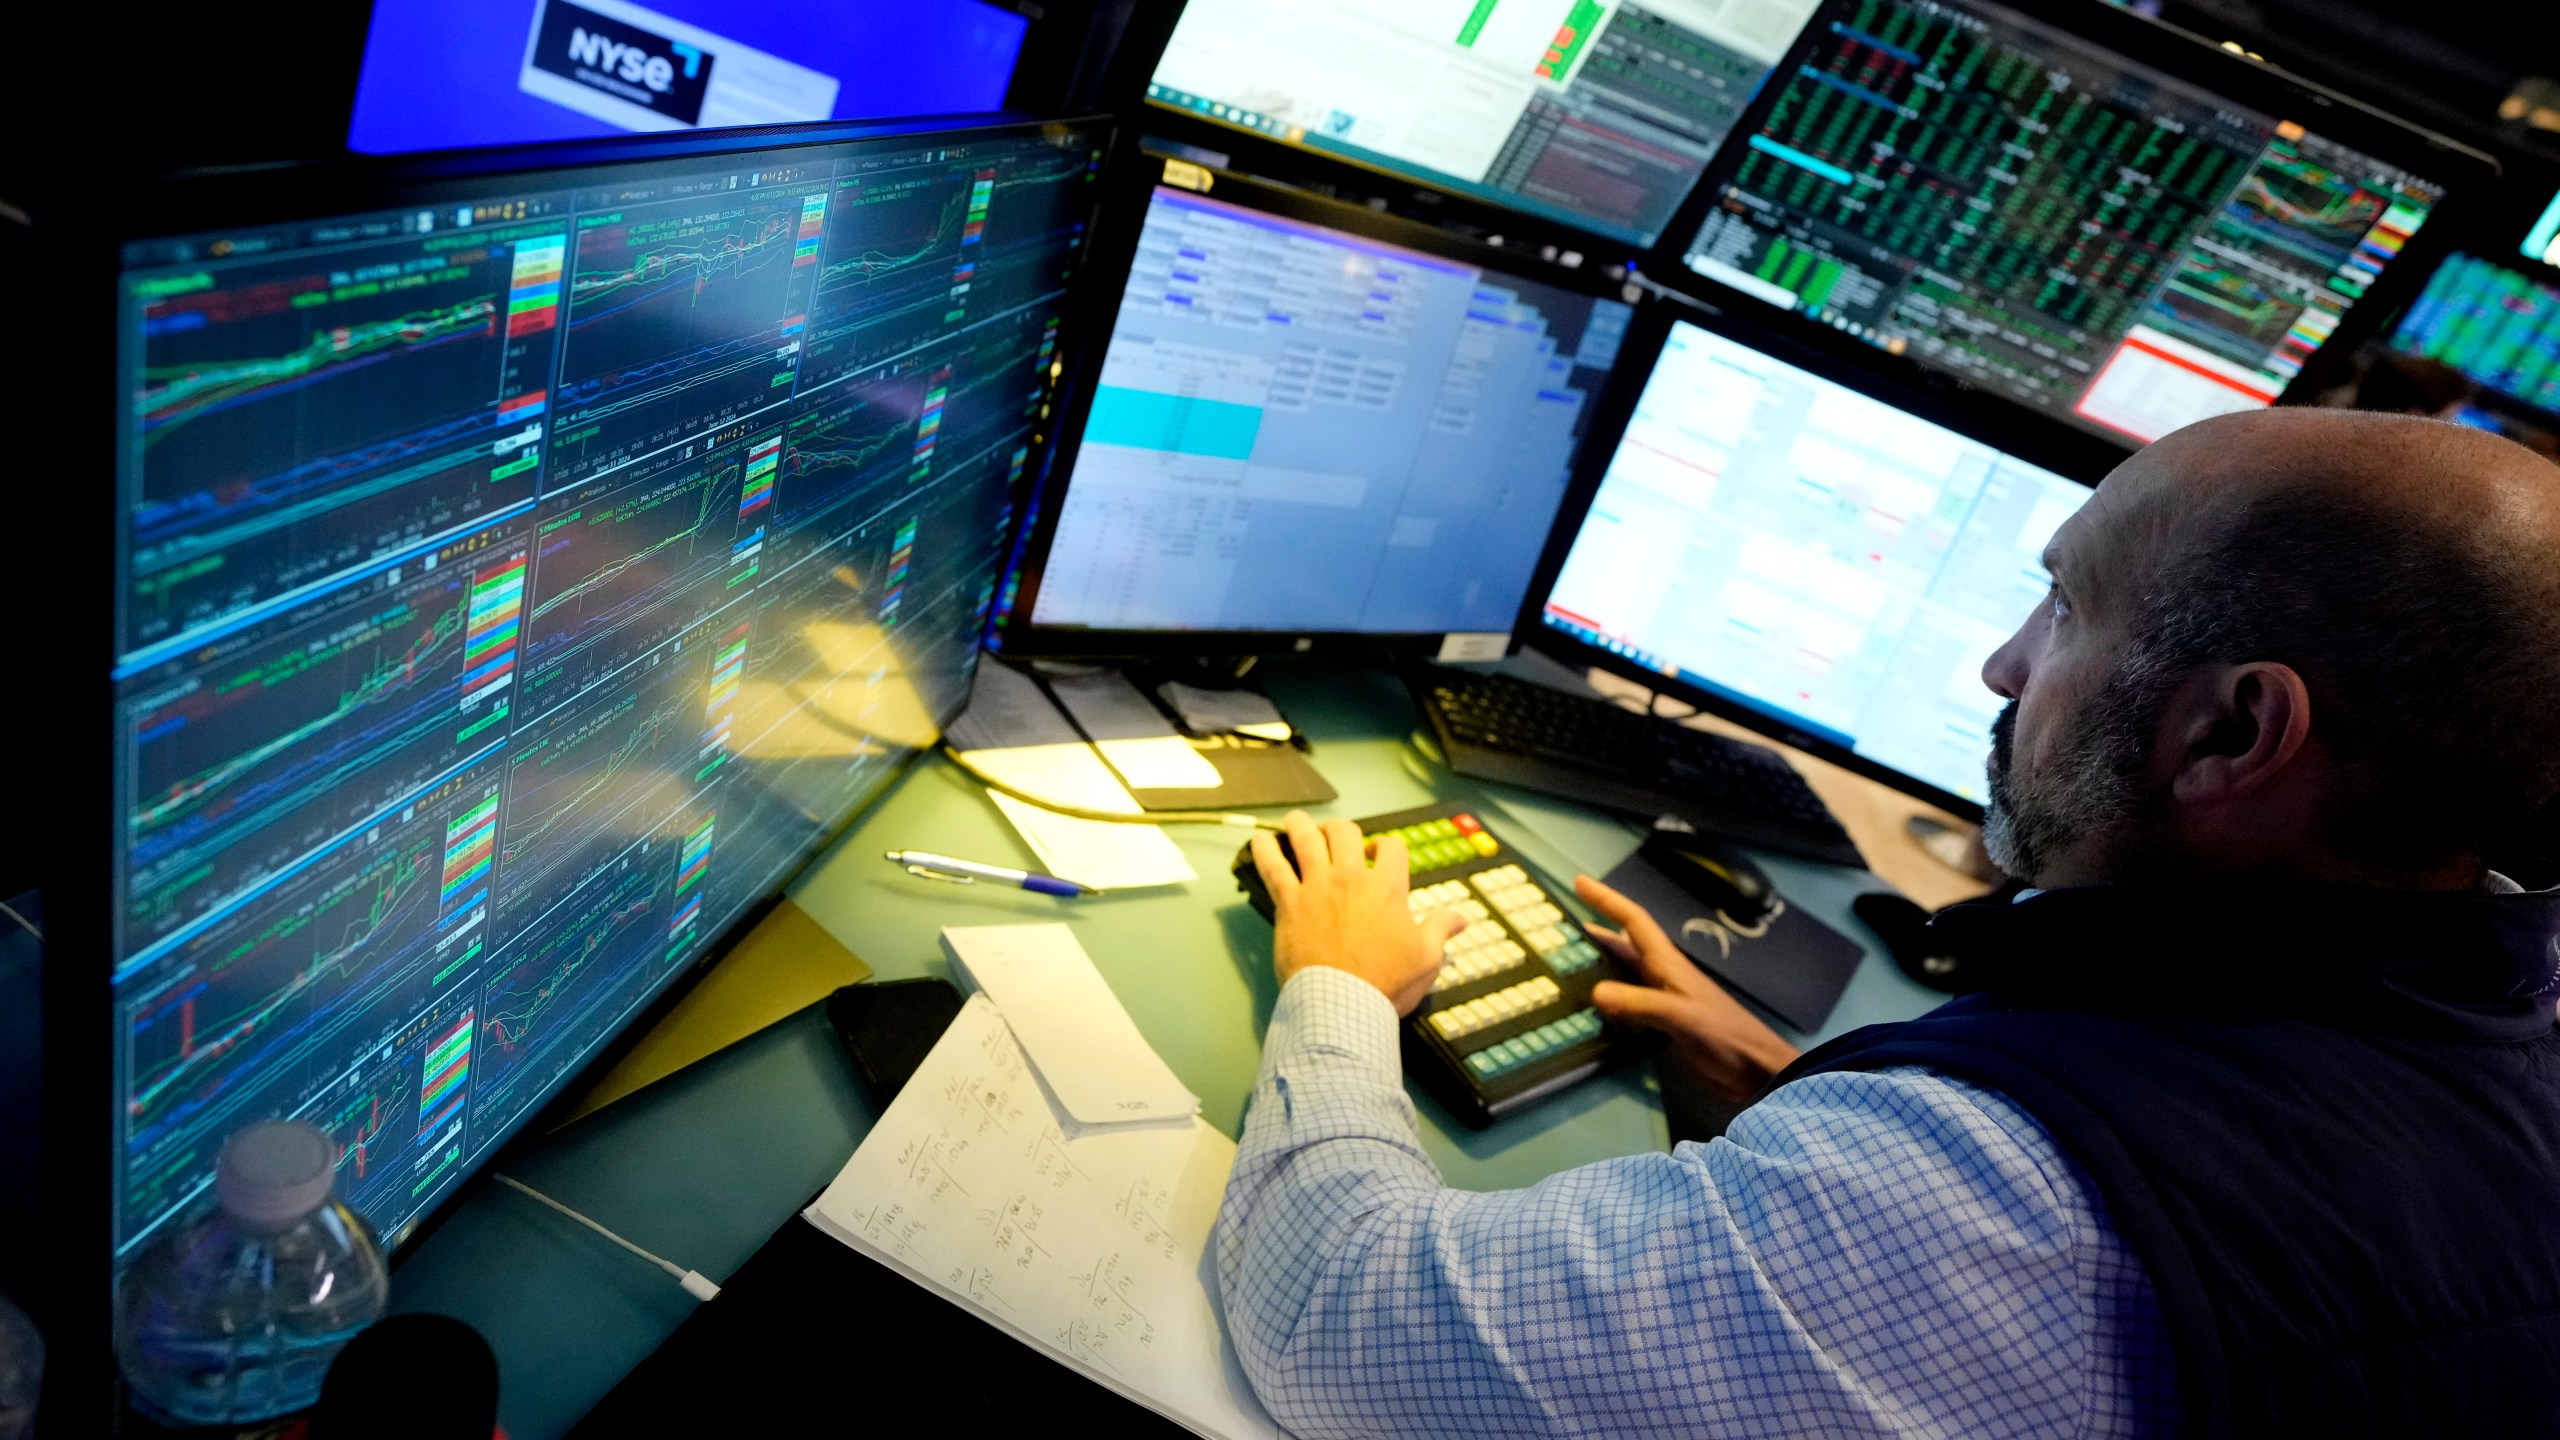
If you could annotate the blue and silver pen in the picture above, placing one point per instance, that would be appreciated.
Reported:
(943, 867)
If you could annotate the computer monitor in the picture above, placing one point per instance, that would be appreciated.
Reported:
(1308, 427)
(2499, 326)
(444, 74)
(1806, 556)
(519, 573)
(1598, 114)
(2080, 210)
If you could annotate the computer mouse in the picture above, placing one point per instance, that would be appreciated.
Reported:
(1904, 929)
(1249, 879)
(1718, 874)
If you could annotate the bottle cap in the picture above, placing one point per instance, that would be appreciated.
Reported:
(275, 1172)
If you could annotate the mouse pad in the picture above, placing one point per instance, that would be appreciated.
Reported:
(1795, 965)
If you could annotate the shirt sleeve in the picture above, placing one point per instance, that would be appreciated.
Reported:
(1886, 1253)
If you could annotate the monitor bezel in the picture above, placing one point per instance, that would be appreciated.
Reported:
(79, 1041)
(1115, 247)
(2462, 171)
(2036, 446)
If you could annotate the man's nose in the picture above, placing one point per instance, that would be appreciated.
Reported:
(2006, 671)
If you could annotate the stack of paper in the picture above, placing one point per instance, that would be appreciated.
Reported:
(1104, 854)
(1013, 733)
(1099, 1069)
(1088, 1242)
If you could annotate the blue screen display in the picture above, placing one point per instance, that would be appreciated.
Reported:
(1299, 429)
(441, 74)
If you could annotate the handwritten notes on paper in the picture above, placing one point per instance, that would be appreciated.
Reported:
(1092, 1248)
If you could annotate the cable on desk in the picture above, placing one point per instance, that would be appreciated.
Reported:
(694, 1282)
(23, 922)
(1116, 817)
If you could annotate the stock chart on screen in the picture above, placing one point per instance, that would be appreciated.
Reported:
(514, 591)
(2089, 236)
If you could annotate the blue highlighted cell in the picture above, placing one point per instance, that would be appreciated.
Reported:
(1178, 424)
(1792, 156)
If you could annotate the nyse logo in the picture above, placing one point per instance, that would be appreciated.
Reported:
(622, 60)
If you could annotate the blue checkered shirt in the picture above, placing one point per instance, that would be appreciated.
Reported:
(1886, 1253)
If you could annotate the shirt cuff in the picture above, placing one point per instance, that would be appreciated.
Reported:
(1336, 1012)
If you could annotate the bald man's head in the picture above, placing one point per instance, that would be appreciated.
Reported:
(2397, 579)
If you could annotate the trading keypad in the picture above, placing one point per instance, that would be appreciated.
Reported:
(1509, 1017)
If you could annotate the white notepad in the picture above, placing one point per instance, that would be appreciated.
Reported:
(1093, 1250)
(1080, 1037)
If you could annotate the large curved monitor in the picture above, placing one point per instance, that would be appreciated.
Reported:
(2084, 212)
(521, 565)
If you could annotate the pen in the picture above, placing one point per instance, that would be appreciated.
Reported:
(943, 867)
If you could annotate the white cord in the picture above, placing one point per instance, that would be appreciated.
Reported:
(693, 1281)
(23, 924)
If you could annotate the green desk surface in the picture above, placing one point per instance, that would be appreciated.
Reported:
(703, 1166)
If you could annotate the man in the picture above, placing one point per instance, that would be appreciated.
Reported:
(2257, 1132)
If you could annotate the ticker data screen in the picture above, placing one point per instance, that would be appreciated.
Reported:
(1815, 554)
(1999, 199)
(1597, 113)
(1296, 428)
(2499, 326)
(514, 591)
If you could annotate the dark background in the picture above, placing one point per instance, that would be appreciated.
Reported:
(169, 87)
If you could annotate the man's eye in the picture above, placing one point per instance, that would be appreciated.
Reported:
(2061, 604)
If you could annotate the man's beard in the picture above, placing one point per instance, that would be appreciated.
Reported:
(2093, 788)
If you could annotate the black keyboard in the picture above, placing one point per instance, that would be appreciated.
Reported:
(1494, 727)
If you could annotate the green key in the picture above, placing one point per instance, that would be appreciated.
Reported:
(1483, 1063)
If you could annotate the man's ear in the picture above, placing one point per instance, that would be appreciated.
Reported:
(2231, 729)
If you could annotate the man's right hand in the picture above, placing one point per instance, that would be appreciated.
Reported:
(1724, 1045)
(1337, 910)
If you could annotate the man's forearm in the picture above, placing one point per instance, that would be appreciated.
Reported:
(1329, 1141)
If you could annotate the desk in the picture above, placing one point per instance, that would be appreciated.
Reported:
(703, 1166)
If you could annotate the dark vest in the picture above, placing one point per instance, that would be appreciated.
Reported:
(2327, 1121)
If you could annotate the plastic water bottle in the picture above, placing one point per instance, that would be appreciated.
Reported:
(21, 1372)
(235, 1316)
